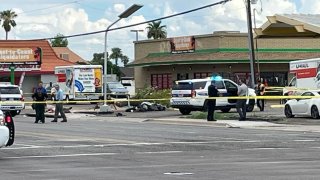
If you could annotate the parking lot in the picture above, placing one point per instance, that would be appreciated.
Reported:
(143, 146)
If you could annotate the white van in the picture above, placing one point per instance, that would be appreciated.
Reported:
(190, 95)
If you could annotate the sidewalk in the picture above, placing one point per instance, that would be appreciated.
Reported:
(250, 124)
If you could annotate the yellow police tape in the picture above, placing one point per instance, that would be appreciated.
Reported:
(163, 99)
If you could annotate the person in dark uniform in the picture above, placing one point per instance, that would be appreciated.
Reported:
(40, 95)
(211, 103)
(260, 92)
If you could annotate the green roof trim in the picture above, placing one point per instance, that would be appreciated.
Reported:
(307, 50)
(232, 61)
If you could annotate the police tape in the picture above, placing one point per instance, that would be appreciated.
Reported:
(162, 99)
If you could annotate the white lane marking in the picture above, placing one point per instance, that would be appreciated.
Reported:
(91, 154)
(253, 149)
(159, 152)
(304, 140)
(56, 156)
(124, 144)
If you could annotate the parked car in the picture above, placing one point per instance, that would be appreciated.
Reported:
(116, 90)
(11, 99)
(190, 95)
(308, 106)
(7, 130)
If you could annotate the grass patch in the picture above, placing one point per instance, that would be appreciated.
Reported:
(217, 115)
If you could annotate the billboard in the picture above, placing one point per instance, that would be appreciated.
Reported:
(21, 56)
(182, 44)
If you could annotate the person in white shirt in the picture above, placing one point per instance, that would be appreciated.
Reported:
(59, 105)
(241, 103)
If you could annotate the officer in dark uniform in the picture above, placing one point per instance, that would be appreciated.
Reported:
(212, 92)
(40, 94)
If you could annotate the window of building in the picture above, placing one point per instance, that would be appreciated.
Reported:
(64, 56)
(161, 81)
(201, 75)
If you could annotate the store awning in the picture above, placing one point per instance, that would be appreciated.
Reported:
(225, 56)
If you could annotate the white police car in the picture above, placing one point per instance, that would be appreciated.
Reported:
(190, 95)
(6, 129)
(11, 98)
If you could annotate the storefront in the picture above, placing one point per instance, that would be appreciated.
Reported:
(30, 65)
(159, 63)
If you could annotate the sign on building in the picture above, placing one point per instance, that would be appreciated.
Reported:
(20, 56)
(184, 44)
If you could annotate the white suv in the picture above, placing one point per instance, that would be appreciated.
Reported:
(11, 99)
(6, 129)
(190, 95)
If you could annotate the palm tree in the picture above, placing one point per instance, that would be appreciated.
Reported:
(124, 59)
(8, 22)
(116, 54)
(156, 31)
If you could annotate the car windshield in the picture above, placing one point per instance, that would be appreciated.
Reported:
(9, 90)
(116, 86)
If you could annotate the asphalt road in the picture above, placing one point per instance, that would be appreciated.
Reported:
(89, 147)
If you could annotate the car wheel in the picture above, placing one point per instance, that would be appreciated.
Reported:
(13, 113)
(250, 108)
(288, 111)
(315, 112)
(225, 110)
(184, 111)
(205, 107)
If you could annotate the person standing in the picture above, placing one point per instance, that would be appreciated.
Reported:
(40, 95)
(59, 105)
(211, 103)
(241, 103)
(260, 92)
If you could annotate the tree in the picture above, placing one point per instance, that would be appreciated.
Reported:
(156, 30)
(98, 59)
(59, 41)
(124, 59)
(8, 20)
(116, 54)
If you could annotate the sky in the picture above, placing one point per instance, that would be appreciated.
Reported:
(46, 18)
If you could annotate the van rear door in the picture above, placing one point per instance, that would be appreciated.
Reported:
(182, 89)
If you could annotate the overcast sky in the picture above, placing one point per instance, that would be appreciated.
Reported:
(46, 18)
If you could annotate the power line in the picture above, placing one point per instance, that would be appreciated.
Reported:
(145, 22)
(50, 7)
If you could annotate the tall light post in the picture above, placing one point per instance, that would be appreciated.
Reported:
(125, 14)
(250, 40)
(137, 32)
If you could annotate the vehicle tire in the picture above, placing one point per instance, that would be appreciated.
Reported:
(13, 113)
(184, 111)
(205, 106)
(250, 108)
(315, 112)
(288, 111)
(225, 110)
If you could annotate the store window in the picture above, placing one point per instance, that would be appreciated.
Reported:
(161, 81)
(201, 75)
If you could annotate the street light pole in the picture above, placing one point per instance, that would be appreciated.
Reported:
(251, 48)
(125, 14)
(137, 32)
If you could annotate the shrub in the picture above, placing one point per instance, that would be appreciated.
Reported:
(152, 93)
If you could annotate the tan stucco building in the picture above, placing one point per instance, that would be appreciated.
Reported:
(281, 39)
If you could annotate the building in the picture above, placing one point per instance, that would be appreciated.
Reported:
(28, 70)
(68, 55)
(283, 38)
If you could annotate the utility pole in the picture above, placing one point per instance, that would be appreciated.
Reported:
(251, 46)
(137, 32)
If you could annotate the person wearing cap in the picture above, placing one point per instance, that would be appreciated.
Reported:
(59, 106)
(211, 103)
